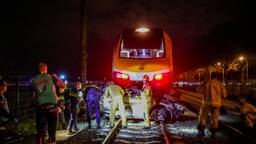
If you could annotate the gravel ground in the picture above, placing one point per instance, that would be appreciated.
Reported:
(181, 132)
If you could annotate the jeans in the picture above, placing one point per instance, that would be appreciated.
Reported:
(46, 116)
(62, 118)
(72, 120)
(93, 101)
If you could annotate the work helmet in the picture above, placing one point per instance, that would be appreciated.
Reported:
(146, 77)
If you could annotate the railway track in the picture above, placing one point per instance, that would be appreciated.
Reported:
(183, 131)
(135, 133)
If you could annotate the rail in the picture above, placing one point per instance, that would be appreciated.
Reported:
(248, 139)
(166, 134)
(113, 133)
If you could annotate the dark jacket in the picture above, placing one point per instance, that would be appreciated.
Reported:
(92, 91)
(4, 110)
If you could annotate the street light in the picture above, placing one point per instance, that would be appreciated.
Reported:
(241, 59)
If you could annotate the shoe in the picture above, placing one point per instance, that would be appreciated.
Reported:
(146, 127)
(98, 126)
(200, 134)
(70, 132)
(213, 132)
(76, 130)
(89, 125)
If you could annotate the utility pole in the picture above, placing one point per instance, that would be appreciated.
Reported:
(84, 54)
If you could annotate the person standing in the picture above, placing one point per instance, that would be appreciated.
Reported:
(92, 100)
(44, 94)
(116, 93)
(66, 99)
(5, 115)
(145, 94)
(61, 107)
(74, 97)
(213, 92)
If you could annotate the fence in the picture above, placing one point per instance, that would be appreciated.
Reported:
(235, 89)
(19, 97)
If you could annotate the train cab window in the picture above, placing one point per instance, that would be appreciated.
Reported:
(142, 52)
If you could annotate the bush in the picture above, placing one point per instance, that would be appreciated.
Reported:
(26, 127)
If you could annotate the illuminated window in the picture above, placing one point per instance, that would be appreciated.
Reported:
(142, 43)
(142, 52)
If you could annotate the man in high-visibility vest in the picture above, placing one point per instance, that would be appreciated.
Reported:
(145, 94)
(213, 92)
(44, 93)
(116, 93)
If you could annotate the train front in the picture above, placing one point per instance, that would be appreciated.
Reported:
(139, 52)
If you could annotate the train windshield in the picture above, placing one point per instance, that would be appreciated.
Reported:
(137, 45)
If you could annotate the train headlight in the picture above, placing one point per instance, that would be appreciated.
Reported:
(158, 77)
(142, 30)
(124, 76)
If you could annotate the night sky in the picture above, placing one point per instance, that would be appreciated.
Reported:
(49, 31)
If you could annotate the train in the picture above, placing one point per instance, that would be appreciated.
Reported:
(139, 52)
